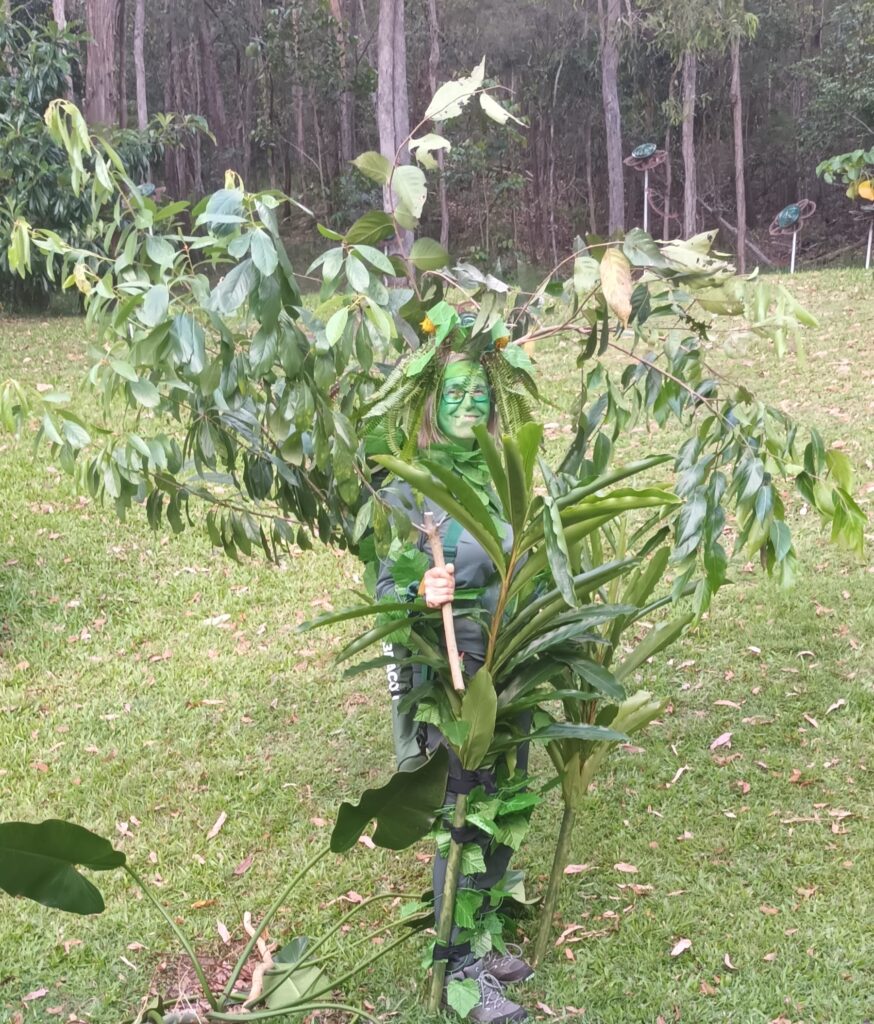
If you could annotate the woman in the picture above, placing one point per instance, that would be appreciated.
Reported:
(463, 386)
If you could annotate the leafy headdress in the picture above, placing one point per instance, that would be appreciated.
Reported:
(399, 404)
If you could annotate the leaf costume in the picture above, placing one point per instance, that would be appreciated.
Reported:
(400, 406)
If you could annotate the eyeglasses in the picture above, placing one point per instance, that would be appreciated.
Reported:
(454, 394)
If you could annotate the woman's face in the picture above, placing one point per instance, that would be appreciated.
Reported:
(465, 401)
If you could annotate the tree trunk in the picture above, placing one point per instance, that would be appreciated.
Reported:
(59, 13)
(140, 64)
(609, 19)
(121, 59)
(346, 108)
(669, 182)
(433, 65)
(590, 185)
(737, 123)
(690, 187)
(101, 75)
(392, 102)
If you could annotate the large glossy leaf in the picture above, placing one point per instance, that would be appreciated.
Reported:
(551, 602)
(362, 612)
(613, 477)
(404, 808)
(598, 677)
(370, 229)
(461, 490)
(571, 632)
(422, 481)
(39, 861)
(496, 467)
(537, 561)
(478, 709)
(520, 493)
(557, 552)
(545, 624)
(575, 731)
(297, 983)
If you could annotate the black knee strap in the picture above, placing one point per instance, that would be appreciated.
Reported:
(466, 834)
(467, 781)
(451, 952)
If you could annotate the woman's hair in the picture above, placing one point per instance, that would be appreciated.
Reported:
(429, 432)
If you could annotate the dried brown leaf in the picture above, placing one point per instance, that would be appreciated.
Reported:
(217, 827)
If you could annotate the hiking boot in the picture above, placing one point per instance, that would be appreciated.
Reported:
(493, 1006)
(507, 967)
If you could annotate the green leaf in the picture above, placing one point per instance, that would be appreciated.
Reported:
(160, 251)
(840, 468)
(451, 97)
(298, 981)
(404, 808)
(376, 258)
(145, 393)
(642, 250)
(574, 731)
(264, 252)
(461, 490)
(478, 709)
(374, 166)
(495, 464)
(424, 482)
(155, 305)
(463, 996)
(356, 274)
(233, 289)
(426, 254)
(39, 862)
(410, 189)
(370, 229)
(336, 325)
(557, 551)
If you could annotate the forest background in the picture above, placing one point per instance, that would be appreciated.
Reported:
(291, 91)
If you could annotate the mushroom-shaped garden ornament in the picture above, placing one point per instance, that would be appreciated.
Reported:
(789, 222)
(643, 158)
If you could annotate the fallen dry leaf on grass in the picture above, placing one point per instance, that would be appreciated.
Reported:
(728, 964)
(244, 865)
(37, 993)
(222, 929)
(721, 741)
(576, 869)
(628, 869)
(681, 946)
(217, 827)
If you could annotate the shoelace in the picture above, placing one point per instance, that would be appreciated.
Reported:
(490, 982)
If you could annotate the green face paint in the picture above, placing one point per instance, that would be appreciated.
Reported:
(465, 402)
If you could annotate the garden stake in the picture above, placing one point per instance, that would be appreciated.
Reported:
(431, 531)
(447, 910)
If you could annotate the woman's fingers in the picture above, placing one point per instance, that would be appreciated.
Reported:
(439, 585)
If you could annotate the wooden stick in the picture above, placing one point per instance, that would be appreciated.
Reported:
(431, 532)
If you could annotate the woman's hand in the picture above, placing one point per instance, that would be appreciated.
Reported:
(438, 586)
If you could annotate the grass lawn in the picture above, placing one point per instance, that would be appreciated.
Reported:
(148, 686)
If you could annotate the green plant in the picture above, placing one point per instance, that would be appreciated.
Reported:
(272, 400)
(39, 862)
(854, 169)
